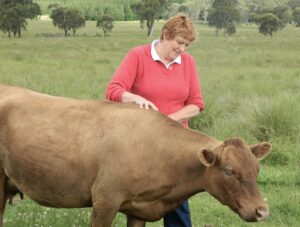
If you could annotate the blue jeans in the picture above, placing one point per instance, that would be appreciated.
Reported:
(179, 217)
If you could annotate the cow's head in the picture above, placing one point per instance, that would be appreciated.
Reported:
(231, 173)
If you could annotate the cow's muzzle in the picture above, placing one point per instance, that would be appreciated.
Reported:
(258, 214)
(262, 213)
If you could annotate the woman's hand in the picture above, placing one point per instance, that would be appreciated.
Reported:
(128, 97)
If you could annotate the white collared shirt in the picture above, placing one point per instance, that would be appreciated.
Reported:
(155, 56)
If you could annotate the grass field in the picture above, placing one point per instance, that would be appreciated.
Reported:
(251, 87)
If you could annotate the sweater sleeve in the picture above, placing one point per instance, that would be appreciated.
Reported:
(123, 78)
(195, 93)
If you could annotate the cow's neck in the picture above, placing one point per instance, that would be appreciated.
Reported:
(189, 174)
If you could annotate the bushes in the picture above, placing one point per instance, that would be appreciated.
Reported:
(207, 118)
(271, 119)
(276, 120)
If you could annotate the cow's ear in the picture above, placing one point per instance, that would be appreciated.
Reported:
(207, 157)
(260, 150)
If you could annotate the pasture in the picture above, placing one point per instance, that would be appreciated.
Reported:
(251, 88)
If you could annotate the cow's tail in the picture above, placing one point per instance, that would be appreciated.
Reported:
(3, 194)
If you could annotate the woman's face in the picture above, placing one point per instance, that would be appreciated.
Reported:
(174, 47)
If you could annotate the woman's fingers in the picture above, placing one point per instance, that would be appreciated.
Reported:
(153, 106)
(144, 103)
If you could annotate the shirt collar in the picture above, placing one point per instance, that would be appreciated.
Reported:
(155, 56)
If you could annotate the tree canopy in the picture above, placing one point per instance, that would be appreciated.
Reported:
(68, 19)
(294, 3)
(284, 15)
(149, 10)
(224, 15)
(296, 16)
(268, 23)
(106, 23)
(13, 15)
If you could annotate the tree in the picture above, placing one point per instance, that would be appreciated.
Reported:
(296, 16)
(77, 19)
(294, 4)
(13, 15)
(269, 23)
(149, 10)
(172, 10)
(283, 14)
(282, 11)
(106, 23)
(128, 14)
(223, 14)
(254, 18)
(183, 9)
(67, 19)
(230, 29)
(202, 15)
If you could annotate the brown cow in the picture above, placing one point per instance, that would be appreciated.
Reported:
(116, 157)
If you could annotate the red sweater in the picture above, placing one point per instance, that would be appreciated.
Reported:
(169, 89)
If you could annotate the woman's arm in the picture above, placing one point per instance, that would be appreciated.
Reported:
(124, 77)
(185, 113)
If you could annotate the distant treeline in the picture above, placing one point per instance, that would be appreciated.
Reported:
(197, 9)
(91, 9)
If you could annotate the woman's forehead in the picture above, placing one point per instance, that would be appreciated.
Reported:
(181, 39)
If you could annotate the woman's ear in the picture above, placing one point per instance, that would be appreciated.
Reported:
(165, 35)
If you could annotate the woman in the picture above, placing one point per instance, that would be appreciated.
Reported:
(163, 77)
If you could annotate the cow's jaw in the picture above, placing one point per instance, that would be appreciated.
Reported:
(249, 209)
(250, 213)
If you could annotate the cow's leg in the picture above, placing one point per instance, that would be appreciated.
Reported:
(133, 222)
(103, 215)
(105, 207)
(3, 196)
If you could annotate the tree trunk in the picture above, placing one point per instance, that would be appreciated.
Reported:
(150, 24)
(19, 33)
(217, 31)
(9, 34)
(141, 24)
(66, 32)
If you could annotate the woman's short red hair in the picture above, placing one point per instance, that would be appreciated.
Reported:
(179, 25)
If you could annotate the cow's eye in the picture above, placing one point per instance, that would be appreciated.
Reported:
(229, 171)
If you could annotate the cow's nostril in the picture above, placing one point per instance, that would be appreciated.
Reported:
(262, 213)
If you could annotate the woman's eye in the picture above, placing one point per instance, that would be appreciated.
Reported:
(229, 172)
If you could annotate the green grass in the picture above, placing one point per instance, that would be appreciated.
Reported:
(251, 87)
